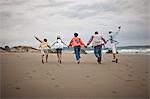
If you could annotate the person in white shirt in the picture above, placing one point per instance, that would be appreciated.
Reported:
(114, 42)
(97, 42)
(44, 48)
(58, 45)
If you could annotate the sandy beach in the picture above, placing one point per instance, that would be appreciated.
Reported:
(23, 76)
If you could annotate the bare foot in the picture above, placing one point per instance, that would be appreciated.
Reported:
(42, 62)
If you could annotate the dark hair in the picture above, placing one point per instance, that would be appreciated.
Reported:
(45, 40)
(96, 32)
(58, 37)
(110, 32)
(76, 34)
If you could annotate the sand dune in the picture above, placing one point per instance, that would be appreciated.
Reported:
(25, 77)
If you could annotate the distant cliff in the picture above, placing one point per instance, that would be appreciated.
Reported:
(22, 49)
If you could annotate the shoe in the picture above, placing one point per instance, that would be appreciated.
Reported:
(116, 61)
(60, 62)
(113, 61)
(42, 62)
(78, 62)
(99, 60)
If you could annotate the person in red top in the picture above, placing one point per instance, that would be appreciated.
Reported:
(76, 43)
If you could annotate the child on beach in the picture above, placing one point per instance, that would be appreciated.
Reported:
(59, 47)
(97, 42)
(114, 42)
(76, 43)
(44, 48)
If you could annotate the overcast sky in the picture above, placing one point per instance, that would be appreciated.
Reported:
(20, 20)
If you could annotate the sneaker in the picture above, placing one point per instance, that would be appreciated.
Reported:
(42, 62)
(99, 60)
(113, 61)
(78, 61)
(116, 61)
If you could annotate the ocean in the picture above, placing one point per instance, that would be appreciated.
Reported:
(125, 49)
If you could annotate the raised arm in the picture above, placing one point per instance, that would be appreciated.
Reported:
(118, 30)
(70, 43)
(64, 43)
(38, 39)
(104, 40)
(49, 46)
(90, 40)
(54, 43)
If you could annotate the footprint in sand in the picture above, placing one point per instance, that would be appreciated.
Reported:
(146, 72)
(143, 85)
(129, 80)
(52, 78)
(30, 77)
(17, 81)
(48, 74)
(130, 75)
(56, 86)
(130, 67)
(28, 73)
(127, 65)
(132, 71)
(114, 92)
(127, 69)
(87, 76)
(34, 70)
(143, 79)
(18, 88)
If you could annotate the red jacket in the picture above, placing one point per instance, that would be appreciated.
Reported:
(76, 42)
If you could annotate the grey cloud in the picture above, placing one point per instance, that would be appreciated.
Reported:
(84, 11)
(52, 3)
(12, 2)
(22, 19)
(115, 7)
(5, 17)
(10, 19)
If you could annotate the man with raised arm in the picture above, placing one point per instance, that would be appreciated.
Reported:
(114, 42)
(44, 48)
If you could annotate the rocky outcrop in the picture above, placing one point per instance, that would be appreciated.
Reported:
(24, 49)
(2, 49)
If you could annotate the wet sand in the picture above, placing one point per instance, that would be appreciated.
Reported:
(23, 76)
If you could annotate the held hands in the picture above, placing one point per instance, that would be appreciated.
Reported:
(106, 41)
(119, 27)
(85, 46)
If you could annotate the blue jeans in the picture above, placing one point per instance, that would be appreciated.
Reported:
(98, 51)
(77, 52)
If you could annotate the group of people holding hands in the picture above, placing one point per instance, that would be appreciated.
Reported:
(76, 42)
